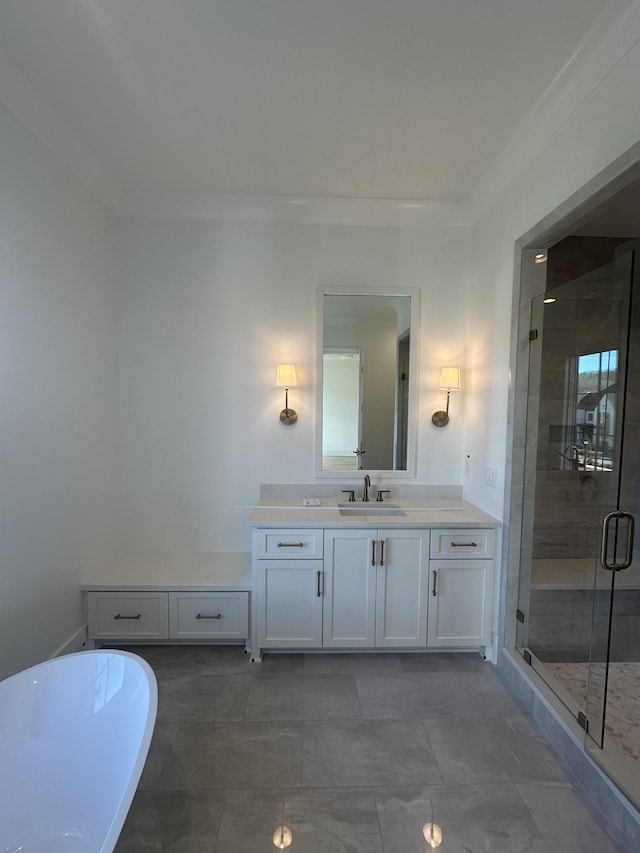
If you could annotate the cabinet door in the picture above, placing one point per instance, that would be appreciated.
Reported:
(288, 598)
(349, 589)
(401, 588)
(460, 603)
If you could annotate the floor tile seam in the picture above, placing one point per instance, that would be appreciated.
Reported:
(222, 813)
(303, 720)
(153, 787)
(203, 789)
(376, 806)
(286, 789)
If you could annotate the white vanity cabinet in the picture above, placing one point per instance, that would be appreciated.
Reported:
(369, 590)
(375, 591)
(349, 605)
(401, 588)
(461, 588)
(327, 579)
(287, 588)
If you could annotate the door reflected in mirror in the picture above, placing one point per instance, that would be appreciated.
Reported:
(367, 375)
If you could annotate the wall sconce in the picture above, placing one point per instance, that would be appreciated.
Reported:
(286, 378)
(449, 381)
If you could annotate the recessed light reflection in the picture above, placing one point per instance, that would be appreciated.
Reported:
(549, 300)
(282, 837)
(540, 257)
(432, 834)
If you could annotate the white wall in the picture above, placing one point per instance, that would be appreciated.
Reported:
(58, 406)
(208, 310)
(603, 126)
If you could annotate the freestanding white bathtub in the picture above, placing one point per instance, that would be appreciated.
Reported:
(74, 736)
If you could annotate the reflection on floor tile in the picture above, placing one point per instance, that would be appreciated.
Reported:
(491, 750)
(353, 753)
(470, 817)
(367, 752)
(172, 820)
(319, 820)
(233, 755)
(303, 697)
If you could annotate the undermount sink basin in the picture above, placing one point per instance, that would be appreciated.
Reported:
(376, 508)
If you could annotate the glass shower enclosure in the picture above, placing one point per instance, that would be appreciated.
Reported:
(579, 594)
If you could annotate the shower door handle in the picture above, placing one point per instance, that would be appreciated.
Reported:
(606, 521)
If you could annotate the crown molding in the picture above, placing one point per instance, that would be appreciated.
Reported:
(404, 213)
(614, 34)
(20, 97)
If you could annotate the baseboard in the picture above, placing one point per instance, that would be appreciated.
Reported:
(77, 642)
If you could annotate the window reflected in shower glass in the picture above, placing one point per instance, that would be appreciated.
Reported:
(595, 410)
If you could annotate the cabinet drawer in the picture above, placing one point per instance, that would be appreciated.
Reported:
(288, 544)
(208, 615)
(462, 543)
(140, 615)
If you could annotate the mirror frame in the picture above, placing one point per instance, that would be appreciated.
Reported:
(414, 372)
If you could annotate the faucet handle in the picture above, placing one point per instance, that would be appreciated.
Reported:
(351, 493)
(382, 492)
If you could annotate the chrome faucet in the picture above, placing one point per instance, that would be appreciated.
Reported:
(367, 486)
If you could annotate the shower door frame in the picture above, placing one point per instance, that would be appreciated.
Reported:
(592, 716)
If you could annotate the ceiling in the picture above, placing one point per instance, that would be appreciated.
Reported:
(362, 99)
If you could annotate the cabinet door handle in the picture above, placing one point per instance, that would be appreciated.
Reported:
(464, 544)
(382, 552)
(118, 616)
(290, 544)
(319, 583)
(373, 553)
(435, 578)
(204, 616)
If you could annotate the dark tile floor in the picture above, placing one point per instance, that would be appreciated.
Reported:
(354, 752)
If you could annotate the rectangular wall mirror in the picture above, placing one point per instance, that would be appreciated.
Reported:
(367, 382)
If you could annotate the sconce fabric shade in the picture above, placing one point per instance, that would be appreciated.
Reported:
(286, 376)
(449, 379)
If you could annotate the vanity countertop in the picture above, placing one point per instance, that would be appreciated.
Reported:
(429, 512)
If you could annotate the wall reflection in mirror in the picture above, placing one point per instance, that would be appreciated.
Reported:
(366, 381)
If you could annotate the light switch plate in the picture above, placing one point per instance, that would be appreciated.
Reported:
(491, 475)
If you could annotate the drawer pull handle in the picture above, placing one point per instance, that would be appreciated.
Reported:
(373, 553)
(204, 616)
(464, 544)
(118, 616)
(382, 552)
(435, 579)
(319, 581)
(290, 544)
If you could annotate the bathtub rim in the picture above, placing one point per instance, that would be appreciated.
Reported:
(127, 794)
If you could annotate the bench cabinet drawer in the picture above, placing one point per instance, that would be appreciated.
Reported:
(208, 615)
(120, 615)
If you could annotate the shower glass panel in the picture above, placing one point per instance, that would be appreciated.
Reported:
(578, 427)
